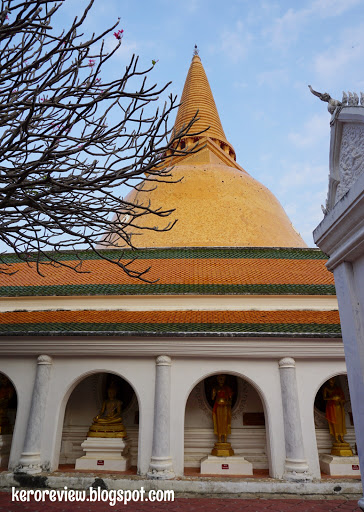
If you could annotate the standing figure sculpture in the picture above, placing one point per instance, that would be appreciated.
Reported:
(335, 415)
(108, 423)
(221, 415)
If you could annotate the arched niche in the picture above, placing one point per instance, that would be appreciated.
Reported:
(85, 403)
(248, 432)
(8, 409)
(323, 437)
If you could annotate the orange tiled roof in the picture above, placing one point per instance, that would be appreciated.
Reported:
(187, 271)
(179, 323)
(174, 271)
(175, 317)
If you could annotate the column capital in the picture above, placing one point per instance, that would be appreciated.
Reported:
(163, 361)
(287, 362)
(44, 359)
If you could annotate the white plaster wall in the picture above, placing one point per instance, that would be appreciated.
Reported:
(21, 372)
(310, 377)
(67, 373)
(262, 374)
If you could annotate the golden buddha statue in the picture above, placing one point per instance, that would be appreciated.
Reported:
(221, 415)
(6, 394)
(108, 423)
(335, 415)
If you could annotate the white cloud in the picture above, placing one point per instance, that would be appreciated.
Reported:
(314, 131)
(273, 78)
(192, 5)
(300, 174)
(287, 28)
(308, 201)
(342, 59)
(327, 8)
(235, 43)
(240, 84)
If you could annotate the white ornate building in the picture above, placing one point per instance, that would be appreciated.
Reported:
(341, 236)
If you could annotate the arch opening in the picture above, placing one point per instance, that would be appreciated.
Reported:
(85, 403)
(324, 417)
(248, 423)
(8, 410)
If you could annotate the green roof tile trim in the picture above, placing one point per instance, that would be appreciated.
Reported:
(189, 252)
(168, 289)
(88, 329)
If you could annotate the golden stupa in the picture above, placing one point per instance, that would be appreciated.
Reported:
(216, 202)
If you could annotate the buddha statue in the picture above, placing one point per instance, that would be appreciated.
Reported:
(335, 415)
(108, 423)
(221, 415)
(6, 394)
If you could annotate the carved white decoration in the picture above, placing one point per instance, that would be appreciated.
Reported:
(199, 392)
(239, 408)
(351, 162)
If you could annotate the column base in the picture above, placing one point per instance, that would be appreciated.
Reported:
(29, 463)
(339, 466)
(104, 454)
(235, 465)
(161, 468)
(296, 470)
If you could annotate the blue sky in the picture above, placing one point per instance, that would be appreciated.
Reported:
(259, 57)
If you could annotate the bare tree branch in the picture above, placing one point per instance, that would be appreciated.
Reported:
(61, 163)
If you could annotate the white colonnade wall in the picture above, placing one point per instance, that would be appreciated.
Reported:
(261, 372)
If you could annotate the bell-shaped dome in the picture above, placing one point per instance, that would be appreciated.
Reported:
(215, 205)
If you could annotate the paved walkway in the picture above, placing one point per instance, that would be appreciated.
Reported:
(193, 504)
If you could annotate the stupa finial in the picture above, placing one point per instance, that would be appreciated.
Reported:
(195, 51)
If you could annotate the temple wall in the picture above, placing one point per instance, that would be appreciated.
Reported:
(73, 400)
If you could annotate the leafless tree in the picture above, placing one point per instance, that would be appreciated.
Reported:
(62, 161)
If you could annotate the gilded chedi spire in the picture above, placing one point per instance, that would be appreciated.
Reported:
(215, 201)
(197, 96)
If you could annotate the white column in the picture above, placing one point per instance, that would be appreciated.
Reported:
(30, 461)
(296, 468)
(161, 466)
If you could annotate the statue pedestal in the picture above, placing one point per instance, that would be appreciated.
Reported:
(341, 450)
(222, 450)
(339, 466)
(235, 465)
(104, 454)
(5, 445)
